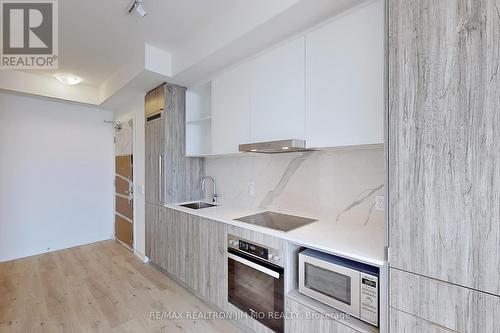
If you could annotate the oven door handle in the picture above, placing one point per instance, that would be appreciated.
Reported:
(258, 267)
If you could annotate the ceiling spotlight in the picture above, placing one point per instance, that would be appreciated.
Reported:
(139, 9)
(68, 79)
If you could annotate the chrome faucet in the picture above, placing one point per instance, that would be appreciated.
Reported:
(214, 194)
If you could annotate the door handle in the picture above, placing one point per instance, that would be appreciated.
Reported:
(130, 193)
(160, 176)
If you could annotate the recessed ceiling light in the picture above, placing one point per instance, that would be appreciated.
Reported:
(139, 9)
(285, 148)
(254, 150)
(68, 79)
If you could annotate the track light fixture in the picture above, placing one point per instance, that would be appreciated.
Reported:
(136, 6)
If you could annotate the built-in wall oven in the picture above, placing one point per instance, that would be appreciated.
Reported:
(256, 281)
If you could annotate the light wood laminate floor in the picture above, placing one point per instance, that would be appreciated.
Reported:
(101, 287)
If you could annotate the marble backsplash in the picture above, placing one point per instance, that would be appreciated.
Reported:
(338, 186)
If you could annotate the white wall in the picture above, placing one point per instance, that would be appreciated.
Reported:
(56, 175)
(135, 109)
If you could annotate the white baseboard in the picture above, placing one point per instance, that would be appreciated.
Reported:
(141, 256)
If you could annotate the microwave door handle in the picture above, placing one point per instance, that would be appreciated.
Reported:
(258, 267)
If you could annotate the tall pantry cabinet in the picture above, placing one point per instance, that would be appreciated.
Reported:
(170, 176)
(444, 165)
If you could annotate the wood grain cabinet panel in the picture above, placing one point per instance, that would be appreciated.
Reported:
(451, 306)
(401, 322)
(192, 249)
(147, 104)
(160, 97)
(207, 241)
(152, 232)
(154, 142)
(166, 235)
(155, 100)
(174, 244)
(444, 140)
(182, 175)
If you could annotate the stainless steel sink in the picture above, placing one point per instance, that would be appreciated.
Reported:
(198, 205)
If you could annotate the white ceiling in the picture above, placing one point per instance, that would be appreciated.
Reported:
(191, 40)
(97, 37)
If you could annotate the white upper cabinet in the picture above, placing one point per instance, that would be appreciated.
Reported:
(326, 86)
(278, 94)
(261, 99)
(345, 79)
(231, 109)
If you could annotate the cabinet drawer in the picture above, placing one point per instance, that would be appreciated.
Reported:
(304, 319)
(448, 305)
(404, 323)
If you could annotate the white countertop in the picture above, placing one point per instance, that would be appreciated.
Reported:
(349, 240)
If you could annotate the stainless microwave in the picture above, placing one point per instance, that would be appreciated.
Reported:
(347, 285)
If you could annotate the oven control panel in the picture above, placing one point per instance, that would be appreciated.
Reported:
(369, 298)
(257, 250)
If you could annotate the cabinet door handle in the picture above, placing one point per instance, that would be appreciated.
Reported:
(160, 176)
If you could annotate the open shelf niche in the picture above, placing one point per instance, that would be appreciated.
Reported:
(199, 120)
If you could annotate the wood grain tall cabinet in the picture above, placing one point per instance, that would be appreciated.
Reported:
(170, 176)
(444, 165)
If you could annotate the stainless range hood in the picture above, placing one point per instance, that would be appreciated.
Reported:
(275, 147)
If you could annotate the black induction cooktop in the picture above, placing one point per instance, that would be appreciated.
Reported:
(277, 221)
